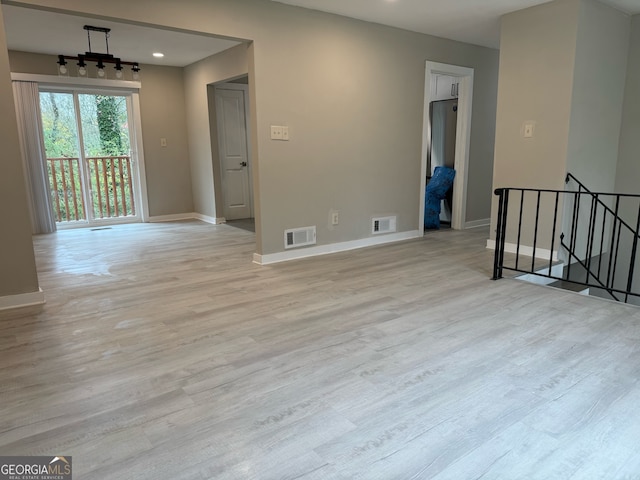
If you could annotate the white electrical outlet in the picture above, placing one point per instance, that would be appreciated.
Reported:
(163, 142)
(335, 218)
(276, 132)
(285, 134)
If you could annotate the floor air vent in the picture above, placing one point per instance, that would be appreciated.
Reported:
(299, 237)
(383, 225)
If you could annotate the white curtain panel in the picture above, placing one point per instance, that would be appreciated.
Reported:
(27, 100)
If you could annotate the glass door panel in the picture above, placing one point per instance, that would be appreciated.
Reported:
(92, 175)
(61, 142)
(107, 153)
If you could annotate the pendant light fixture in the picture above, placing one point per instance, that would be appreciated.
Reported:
(100, 59)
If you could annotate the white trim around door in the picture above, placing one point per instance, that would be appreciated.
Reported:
(463, 139)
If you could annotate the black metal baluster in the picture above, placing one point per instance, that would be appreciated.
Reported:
(632, 263)
(505, 212)
(535, 235)
(590, 233)
(611, 246)
(604, 226)
(519, 228)
(496, 255)
(553, 234)
(615, 263)
(574, 226)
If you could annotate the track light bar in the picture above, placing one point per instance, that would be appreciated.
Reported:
(98, 58)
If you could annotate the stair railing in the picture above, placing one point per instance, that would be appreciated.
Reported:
(600, 253)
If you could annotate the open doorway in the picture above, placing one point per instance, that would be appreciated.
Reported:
(443, 119)
(235, 173)
(448, 99)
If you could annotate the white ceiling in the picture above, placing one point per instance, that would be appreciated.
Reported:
(471, 21)
(37, 31)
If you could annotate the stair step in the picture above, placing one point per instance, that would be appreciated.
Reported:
(570, 286)
(541, 279)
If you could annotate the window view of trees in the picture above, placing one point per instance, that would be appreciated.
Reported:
(105, 130)
(61, 146)
(105, 138)
(59, 125)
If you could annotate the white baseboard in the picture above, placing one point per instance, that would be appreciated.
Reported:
(171, 218)
(187, 216)
(483, 222)
(211, 220)
(544, 253)
(21, 300)
(334, 247)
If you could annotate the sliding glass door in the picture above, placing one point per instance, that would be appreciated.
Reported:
(88, 139)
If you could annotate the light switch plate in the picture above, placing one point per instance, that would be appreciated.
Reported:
(528, 129)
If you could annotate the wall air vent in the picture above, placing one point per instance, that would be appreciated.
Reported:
(299, 237)
(383, 225)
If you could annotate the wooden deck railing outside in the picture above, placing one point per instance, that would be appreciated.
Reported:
(111, 187)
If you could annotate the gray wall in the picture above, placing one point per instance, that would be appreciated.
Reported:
(536, 78)
(596, 114)
(537, 56)
(351, 93)
(162, 105)
(163, 115)
(628, 171)
(17, 262)
(199, 78)
(597, 97)
(562, 65)
(24, 62)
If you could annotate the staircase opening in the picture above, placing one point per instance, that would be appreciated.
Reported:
(574, 239)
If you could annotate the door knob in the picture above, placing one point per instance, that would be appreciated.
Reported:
(243, 164)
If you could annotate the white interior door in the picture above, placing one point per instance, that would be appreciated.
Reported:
(234, 158)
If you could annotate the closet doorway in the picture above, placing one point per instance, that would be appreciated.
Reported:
(462, 78)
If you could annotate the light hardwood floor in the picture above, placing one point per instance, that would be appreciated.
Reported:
(164, 353)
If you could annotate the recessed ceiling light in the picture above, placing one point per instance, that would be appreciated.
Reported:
(158, 55)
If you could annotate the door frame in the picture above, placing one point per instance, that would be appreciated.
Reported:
(136, 144)
(245, 90)
(463, 139)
